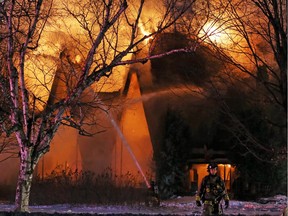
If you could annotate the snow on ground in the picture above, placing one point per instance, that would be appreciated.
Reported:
(178, 206)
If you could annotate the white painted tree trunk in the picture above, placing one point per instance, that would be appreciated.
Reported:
(27, 165)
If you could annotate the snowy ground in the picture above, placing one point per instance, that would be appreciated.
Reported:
(178, 206)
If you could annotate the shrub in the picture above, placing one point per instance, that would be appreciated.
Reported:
(80, 187)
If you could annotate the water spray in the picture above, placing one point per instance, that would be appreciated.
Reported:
(125, 142)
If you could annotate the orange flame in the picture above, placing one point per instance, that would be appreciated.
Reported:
(144, 32)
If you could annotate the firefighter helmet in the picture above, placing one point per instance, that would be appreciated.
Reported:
(212, 166)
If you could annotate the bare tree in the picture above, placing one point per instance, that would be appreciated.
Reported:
(107, 34)
(251, 38)
(264, 35)
(249, 35)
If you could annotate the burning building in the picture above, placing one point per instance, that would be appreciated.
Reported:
(124, 139)
(130, 131)
(129, 134)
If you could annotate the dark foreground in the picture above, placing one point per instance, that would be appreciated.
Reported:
(179, 206)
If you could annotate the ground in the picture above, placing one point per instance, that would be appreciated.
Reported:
(178, 206)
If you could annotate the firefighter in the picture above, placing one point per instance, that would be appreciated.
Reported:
(211, 191)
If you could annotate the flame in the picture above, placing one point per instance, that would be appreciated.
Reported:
(221, 35)
(78, 59)
(215, 33)
(56, 37)
(144, 32)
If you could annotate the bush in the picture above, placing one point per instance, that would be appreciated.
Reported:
(74, 187)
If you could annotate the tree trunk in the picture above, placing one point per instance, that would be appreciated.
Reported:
(24, 180)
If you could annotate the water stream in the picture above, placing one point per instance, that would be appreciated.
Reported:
(126, 144)
(177, 91)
